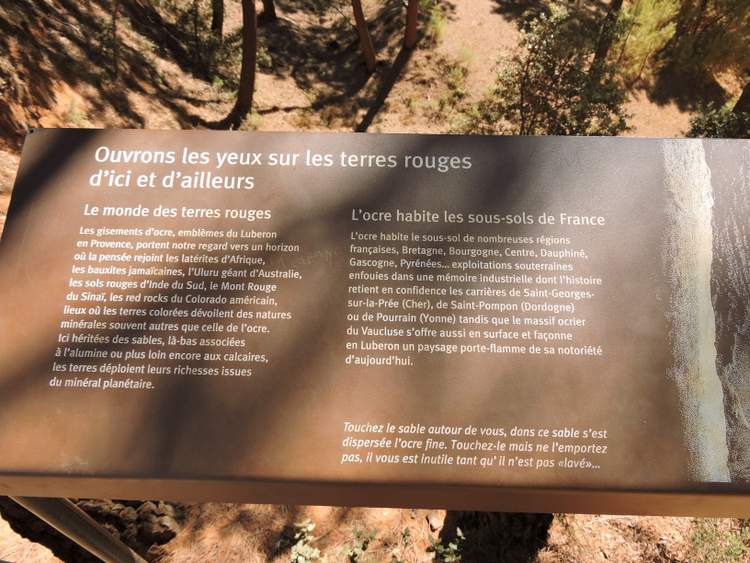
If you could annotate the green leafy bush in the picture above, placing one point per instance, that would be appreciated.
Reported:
(450, 553)
(719, 123)
(548, 88)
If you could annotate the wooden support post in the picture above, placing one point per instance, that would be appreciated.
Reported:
(75, 524)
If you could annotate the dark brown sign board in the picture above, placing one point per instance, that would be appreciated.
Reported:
(496, 323)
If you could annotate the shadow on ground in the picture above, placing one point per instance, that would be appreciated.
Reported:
(44, 45)
(497, 536)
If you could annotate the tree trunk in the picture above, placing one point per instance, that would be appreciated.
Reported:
(365, 41)
(688, 22)
(699, 17)
(217, 20)
(115, 46)
(685, 19)
(743, 104)
(269, 11)
(522, 91)
(607, 34)
(247, 71)
(197, 47)
(412, 14)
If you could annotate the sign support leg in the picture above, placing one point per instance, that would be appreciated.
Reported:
(75, 524)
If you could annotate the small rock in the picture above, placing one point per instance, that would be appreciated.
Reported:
(435, 520)
(145, 508)
(128, 514)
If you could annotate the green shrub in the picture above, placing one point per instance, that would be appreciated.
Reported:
(719, 123)
(548, 88)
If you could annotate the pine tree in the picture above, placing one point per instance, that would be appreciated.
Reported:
(648, 26)
(712, 34)
(607, 34)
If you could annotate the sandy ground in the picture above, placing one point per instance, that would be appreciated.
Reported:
(476, 35)
(652, 120)
(15, 549)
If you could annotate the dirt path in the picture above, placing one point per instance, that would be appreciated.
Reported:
(476, 35)
(652, 120)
